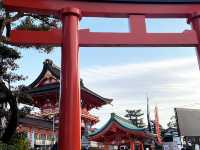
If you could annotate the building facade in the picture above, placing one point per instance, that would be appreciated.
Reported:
(120, 133)
(42, 127)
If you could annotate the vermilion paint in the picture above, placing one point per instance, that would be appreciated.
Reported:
(195, 21)
(71, 39)
(70, 107)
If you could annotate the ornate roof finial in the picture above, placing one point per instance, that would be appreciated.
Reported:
(48, 61)
(81, 82)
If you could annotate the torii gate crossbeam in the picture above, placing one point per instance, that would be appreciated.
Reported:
(70, 39)
(92, 8)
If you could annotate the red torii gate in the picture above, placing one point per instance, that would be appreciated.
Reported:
(71, 38)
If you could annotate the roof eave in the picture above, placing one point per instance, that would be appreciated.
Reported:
(48, 66)
(110, 122)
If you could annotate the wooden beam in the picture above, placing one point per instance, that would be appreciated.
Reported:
(92, 39)
(95, 39)
(137, 24)
(195, 21)
(52, 37)
(102, 9)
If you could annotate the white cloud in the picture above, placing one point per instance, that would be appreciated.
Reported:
(169, 83)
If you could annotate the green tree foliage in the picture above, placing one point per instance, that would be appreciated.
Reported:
(26, 21)
(153, 127)
(21, 92)
(172, 123)
(10, 53)
(19, 141)
(136, 117)
(24, 111)
(8, 57)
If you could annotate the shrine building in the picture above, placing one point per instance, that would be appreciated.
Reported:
(119, 133)
(42, 127)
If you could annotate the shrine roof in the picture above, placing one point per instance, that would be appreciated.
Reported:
(121, 122)
(34, 121)
(54, 87)
(85, 89)
(48, 66)
(45, 89)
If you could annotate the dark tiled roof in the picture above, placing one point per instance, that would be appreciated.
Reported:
(34, 121)
(50, 66)
(85, 89)
(44, 89)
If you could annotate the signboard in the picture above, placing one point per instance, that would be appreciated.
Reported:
(177, 140)
(196, 147)
(188, 121)
(170, 146)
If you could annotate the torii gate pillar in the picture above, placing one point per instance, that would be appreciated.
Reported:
(70, 115)
(195, 20)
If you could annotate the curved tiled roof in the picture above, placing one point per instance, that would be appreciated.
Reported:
(123, 123)
(55, 71)
(38, 122)
(126, 123)
(48, 66)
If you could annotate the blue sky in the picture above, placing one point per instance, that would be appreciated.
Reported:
(169, 75)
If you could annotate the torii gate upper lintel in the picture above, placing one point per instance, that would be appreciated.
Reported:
(70, 38)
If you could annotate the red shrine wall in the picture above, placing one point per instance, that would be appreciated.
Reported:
(38, 137)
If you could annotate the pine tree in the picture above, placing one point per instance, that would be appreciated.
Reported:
(136, 117)
(9, 53)
(153, 127)
(172, 123)
(19, 140)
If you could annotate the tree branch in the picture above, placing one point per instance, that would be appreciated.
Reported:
(44, 19)
(9, 20)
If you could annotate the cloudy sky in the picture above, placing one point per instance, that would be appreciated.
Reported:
(170, 76)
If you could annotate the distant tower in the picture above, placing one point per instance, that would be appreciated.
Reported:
(157, 126)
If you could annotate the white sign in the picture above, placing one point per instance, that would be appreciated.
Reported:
(196, 147)
(170, 146)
